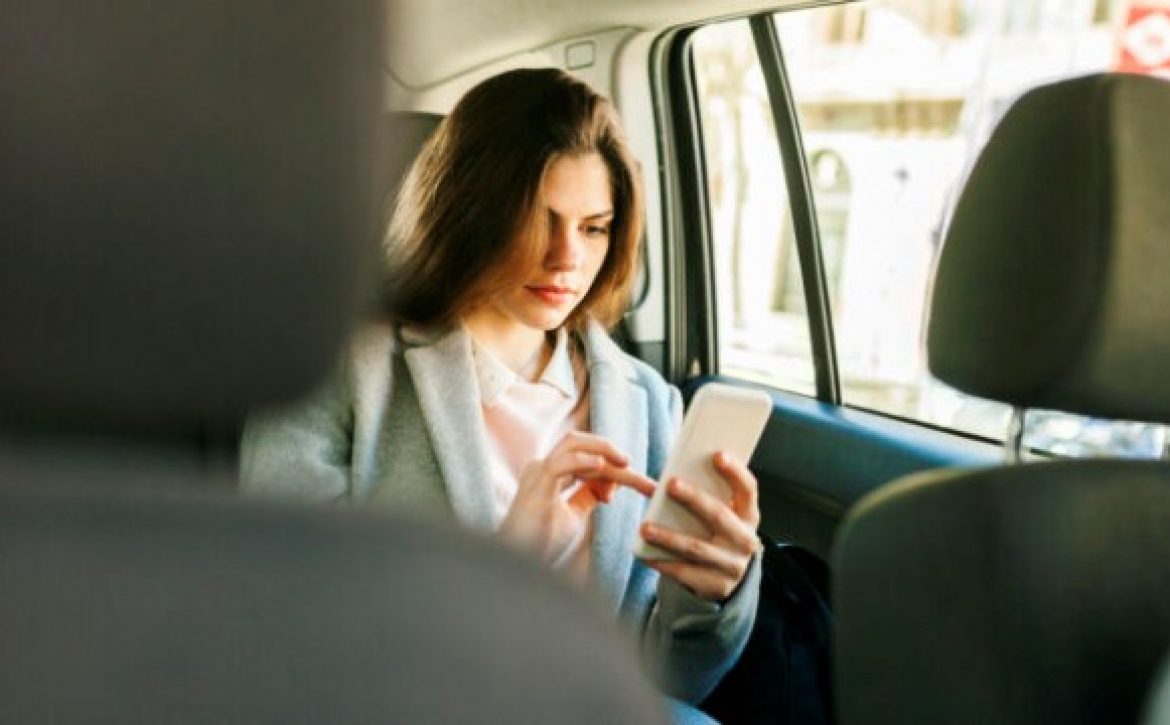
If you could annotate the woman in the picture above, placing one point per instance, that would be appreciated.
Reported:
(494, 395)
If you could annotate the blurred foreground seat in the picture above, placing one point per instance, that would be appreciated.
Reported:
(188, 199)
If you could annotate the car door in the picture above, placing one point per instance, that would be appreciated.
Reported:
(810, 157)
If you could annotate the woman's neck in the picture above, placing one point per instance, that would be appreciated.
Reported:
(524, 350)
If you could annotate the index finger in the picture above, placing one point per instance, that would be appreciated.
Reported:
(632, 479)
(576, 441)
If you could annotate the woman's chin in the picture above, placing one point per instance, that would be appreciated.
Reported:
(546, 320)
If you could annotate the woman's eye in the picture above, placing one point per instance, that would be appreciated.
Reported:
(597, 231)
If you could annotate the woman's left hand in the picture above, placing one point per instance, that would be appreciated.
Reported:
(712, 566)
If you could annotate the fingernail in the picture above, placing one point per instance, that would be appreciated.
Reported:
(721, 458)
(677, 486)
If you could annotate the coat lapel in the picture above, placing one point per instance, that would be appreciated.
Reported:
(444, 381)
(617, 411)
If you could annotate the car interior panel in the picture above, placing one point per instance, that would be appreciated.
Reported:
(1037, 591)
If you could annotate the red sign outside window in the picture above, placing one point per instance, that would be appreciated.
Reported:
(1144, 42)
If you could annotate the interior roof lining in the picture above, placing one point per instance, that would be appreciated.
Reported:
(430, 42)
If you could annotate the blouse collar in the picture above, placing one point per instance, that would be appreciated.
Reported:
(494, 377)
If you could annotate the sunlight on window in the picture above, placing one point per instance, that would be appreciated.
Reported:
(895, 99)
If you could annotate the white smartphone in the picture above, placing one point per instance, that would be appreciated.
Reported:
(720, 418)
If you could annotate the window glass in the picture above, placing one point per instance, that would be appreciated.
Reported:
(762, 326)
(895, 99)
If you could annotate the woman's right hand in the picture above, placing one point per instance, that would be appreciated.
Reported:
(546, 517)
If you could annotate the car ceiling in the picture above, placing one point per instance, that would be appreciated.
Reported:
(430, 41)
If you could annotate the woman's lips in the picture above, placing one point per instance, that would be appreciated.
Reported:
(551, 294)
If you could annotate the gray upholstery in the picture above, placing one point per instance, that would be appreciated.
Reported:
(189, 196)
(410, 130)
(1038, 592)
(1064, 221)
(171, 179)
(124, 608)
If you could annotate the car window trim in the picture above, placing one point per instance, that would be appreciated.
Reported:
(802, 206)
(690, 292)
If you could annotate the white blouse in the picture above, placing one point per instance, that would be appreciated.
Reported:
(524, 420)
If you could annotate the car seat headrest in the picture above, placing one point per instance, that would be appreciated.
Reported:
(410, 131)
(189, 194)
(1051, 286)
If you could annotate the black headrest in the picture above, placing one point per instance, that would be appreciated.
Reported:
(1007, 595)
(188, 195)
(1052, 288)
(409, 130)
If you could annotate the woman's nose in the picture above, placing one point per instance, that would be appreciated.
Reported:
(564, 247)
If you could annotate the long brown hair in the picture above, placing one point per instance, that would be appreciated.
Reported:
(468, 221)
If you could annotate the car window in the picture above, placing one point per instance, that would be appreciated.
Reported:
(763, 328)
(895, 99)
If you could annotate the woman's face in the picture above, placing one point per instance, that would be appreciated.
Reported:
(577, 195)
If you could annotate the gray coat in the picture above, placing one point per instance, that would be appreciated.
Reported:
(401, 426)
